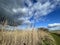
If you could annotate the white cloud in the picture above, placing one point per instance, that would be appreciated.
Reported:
(54, 24)
(27, 22)
(55, 28)
(7, 27)
(21, 10)
(21, 18)
(37, 10)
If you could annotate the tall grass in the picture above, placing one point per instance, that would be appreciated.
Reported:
(56, 37)
(27, 37)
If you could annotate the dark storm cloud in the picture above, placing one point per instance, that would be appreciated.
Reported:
(6, 12)
(11, 19)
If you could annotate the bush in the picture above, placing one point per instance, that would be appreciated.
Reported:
(43, 29)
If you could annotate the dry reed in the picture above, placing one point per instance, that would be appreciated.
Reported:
(27, 37)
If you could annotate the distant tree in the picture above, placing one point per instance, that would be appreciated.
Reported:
(43, 29)
(0, 30)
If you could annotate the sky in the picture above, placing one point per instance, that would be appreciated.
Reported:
(30, 13)
(53, 17)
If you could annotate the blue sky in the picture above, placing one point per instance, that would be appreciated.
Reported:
(53, 17)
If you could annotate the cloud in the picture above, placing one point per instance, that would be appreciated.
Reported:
(20, 12)
(55, 28)
(7, 27)
(54, 24)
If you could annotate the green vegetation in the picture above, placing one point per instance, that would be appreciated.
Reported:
(56, 37)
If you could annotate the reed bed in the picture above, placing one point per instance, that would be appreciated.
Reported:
(26, 37)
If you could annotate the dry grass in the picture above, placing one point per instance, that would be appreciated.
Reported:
(27, 37)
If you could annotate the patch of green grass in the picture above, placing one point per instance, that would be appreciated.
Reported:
(57, 38)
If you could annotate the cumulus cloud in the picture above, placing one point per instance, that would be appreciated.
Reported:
(54, 24)
(21, 11)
